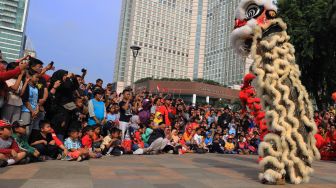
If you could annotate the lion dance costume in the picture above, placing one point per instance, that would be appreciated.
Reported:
(288, 150)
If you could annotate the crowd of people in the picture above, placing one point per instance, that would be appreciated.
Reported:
(63, 117)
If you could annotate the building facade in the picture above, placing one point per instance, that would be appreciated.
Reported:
(203, 93)
(171, 35)
(13, 15)
(222, 64)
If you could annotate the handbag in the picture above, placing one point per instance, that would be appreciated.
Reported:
(70, 106)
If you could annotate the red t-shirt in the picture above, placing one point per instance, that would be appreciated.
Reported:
(87, 141)
(165, 112)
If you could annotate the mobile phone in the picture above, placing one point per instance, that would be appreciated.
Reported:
(51, 64)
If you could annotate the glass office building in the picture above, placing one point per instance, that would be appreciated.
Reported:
(222, 64)
(171, 35)
(13, 15)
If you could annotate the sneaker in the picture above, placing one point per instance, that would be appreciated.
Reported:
(10, 162)
(59, 157)
(170, 151)
(139, 151)
(3, 163)
(79, 159)
(99, 155)
(24, 161)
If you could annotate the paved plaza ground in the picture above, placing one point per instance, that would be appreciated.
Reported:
(160, 171)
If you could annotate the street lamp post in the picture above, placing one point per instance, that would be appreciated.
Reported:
(135, 51)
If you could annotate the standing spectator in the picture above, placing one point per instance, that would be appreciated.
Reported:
(12, 110)
(36, 67)
(30, 108)
(165, 110)
(97, 110)
(64, 101)
(125, 112)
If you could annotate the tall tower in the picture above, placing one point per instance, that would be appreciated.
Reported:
(221, 62)
(171, 35)
(13, 15)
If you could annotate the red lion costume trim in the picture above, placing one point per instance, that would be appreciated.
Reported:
(252, 104)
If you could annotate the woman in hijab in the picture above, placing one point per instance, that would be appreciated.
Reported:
(61, 101)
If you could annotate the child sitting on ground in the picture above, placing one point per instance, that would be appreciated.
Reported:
(9, 150)
(97, 138)
(137, 140)
(45, 143)
(198, 142)
(111, 144)
(208, 141)
(230, 146)
(19, 134)
(74, 146)
(87, 141)
(185, 148)
(218, 144)
(242, 146)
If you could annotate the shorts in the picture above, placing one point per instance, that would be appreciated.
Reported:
(74, 154)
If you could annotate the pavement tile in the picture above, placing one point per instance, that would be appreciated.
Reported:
(63, 172)
(138, 183)
(12, 183)
(53, 183)
(19, 172)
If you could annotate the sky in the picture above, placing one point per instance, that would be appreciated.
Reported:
(76, 34)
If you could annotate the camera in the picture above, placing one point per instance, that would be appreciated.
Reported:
(84, 70)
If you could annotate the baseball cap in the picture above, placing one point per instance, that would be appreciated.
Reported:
(4, 123)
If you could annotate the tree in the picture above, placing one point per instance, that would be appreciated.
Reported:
(310, 27)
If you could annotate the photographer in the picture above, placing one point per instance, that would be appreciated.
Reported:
(63, 85)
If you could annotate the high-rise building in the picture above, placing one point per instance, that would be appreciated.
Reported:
(13, 15)
(222, 64)
(171, 35)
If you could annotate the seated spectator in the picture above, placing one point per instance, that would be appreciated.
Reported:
(145, 136)
(112, 118)
(188, 135)
(198, 142)
(10, 152)
(74, 146)
(137, 140)
(47, 144)
(230, 146)
(185, 147)
(157, 141)
(208, 141)
(218, 144)
(242, 146)
(87, 142)
(97, 138)
(111, 144)
(19, 134)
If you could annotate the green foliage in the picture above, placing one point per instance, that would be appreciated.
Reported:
(312, 33)
(211, 82)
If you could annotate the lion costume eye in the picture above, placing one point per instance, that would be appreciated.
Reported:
(253, 11)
